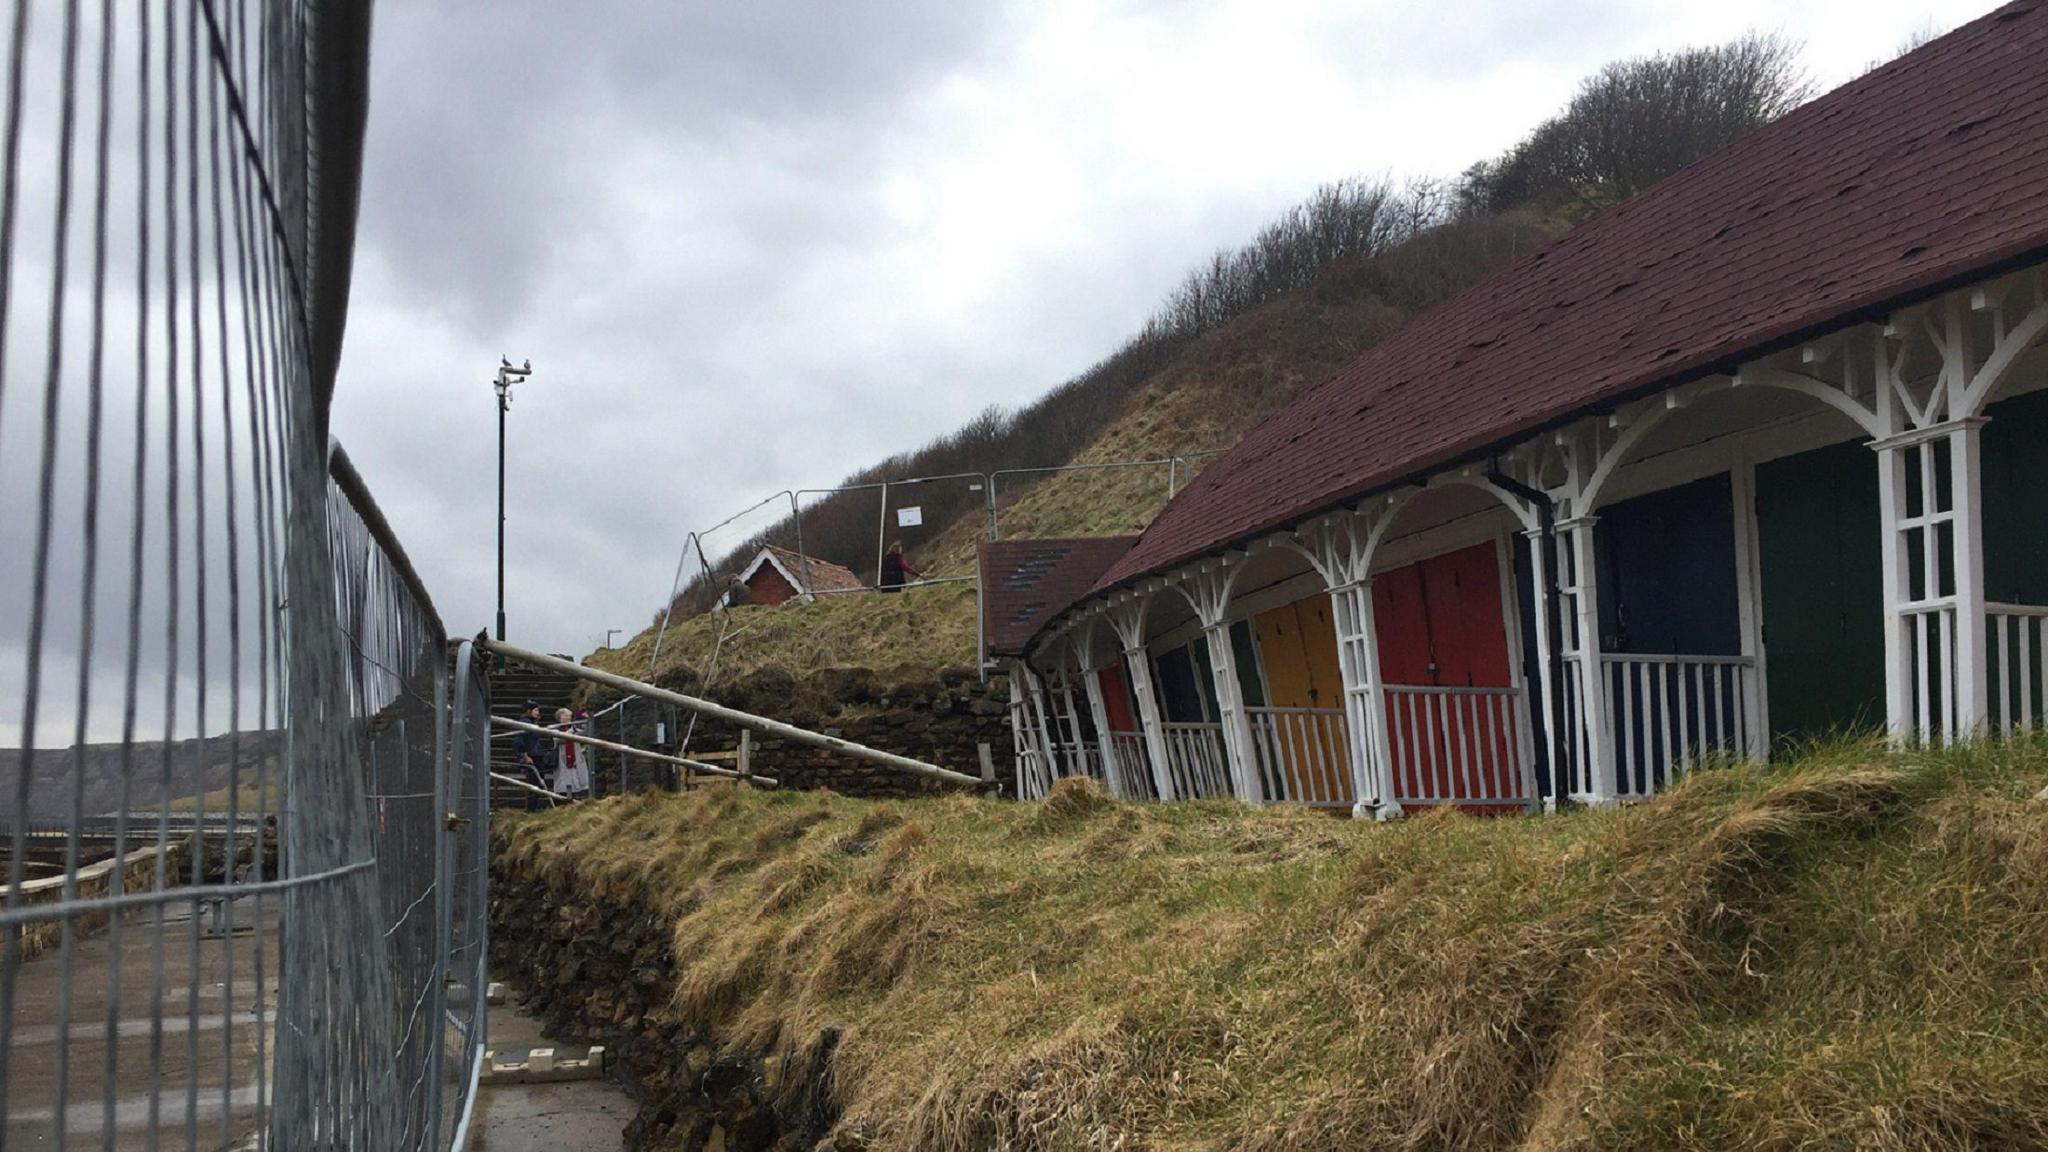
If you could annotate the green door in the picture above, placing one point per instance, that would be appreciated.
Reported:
(2015, 515)
(1823, 594)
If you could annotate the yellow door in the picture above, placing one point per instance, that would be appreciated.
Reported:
(1299, 644)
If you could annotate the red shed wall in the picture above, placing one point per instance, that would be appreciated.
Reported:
(769, 587)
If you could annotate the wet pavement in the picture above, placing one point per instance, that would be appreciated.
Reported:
(573, 1115)
(171, 1068)
(158, 1036)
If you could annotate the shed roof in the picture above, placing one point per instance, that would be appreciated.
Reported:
(824, 576)
(1024, 583)
(1922, 174)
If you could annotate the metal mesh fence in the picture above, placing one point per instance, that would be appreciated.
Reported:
(236, 908)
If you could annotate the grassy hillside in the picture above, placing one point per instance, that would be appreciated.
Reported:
(1850, 952)
(919, 629)
(1209, 394)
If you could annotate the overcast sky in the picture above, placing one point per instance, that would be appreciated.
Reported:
(754, 246)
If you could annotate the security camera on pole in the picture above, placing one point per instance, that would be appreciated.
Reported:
(507, 376)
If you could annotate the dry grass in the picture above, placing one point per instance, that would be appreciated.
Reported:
(916, 630)
(1851, 952)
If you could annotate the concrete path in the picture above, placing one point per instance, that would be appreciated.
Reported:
(566, 1117)
(185, 1067)
(181, 1047)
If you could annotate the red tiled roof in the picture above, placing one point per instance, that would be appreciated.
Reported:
(1024, 583)
(1927, 172)
(824, 575)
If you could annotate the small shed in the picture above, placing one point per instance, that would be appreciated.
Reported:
(776, 575)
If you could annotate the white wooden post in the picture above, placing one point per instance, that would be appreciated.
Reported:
(1973, 683)
(1128, 621)
(1069, 718)
(1749, 608)
(1237, 729)
(1365, 713)
(1020, 728)
(1038, 704)
(1600, 782)
(1547, 687)
(1899, 657)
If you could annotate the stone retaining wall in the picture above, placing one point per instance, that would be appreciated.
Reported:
(941, 718)
(138, 874)
(599, 972)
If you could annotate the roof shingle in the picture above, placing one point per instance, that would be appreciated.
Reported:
(824, 576)
(1025, 583)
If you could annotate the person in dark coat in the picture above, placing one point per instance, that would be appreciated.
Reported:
(534, 756)
(737, 594)
(897, 571)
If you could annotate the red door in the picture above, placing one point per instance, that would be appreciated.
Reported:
(1440, 626)
(1116, 700)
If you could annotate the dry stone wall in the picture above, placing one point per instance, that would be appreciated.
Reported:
(941, 718)
(599, 971)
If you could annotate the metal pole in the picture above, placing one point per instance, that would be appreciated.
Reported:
(594, 742)
(501, 513)
(444, 832)
(733, 716)
(882, 534)
(507, 376)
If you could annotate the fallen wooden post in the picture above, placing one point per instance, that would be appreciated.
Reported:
(628, 749)
(731, 716)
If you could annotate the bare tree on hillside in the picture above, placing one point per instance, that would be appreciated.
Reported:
(1637, 121)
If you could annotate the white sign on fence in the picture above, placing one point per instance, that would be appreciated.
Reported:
(909, 517)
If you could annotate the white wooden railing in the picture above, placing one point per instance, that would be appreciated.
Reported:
(2017, 636)
(1459, 745)
(1034, 779)
(1930, 641)
(1036, 772)
(1082, 759)
(1195, 764)
(1667, 713)
(1134, 765)
(1302, 755)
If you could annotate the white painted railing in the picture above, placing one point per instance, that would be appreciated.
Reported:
(2018, 646)
(1037, 772)
(1195, 762)
(1302, 755)
(1667, 713)
(1133, 765)
(1034, 779)
(1459, 745)
(1930, 635)
(1082, 759)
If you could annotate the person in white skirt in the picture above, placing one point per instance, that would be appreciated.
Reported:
(572, 761)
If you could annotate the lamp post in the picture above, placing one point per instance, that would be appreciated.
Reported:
(507, 376)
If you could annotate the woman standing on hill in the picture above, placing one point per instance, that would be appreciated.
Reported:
(572, 767)
(896, 571)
